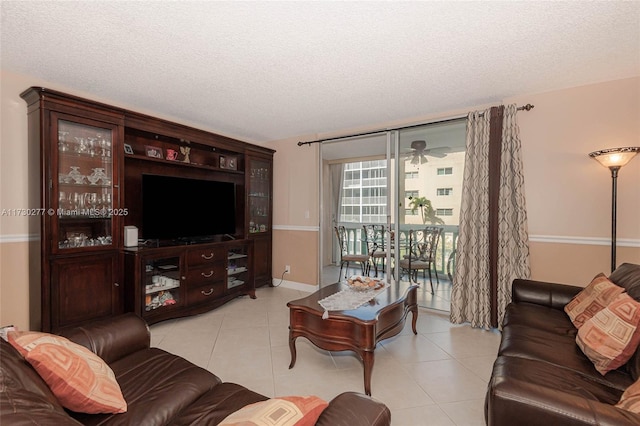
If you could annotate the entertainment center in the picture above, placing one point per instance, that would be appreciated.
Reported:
(201, 203)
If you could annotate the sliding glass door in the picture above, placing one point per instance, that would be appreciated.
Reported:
(355, 192)
(430, 171)
(402, 180)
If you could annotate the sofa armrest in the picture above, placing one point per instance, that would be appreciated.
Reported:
(552, 295)
(113, 338)
(354, 409)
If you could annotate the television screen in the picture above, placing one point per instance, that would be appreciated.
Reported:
(181, 208)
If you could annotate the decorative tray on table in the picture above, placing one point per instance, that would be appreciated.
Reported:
(359, 283)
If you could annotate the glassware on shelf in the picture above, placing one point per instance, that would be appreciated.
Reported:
(91, 200)
(62, 200)
(75, 175)
(99, 175)
(76, 240)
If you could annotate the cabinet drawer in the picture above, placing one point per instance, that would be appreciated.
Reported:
(201, 256)
(211, 272)
(206, 292)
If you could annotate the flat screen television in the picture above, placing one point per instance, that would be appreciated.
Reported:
(176, 208)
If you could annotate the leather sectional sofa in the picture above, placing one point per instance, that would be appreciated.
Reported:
(159, 388)
(541, 377)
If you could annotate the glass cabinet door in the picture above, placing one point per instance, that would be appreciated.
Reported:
(161, 283)
(82, 203)
(259, 195)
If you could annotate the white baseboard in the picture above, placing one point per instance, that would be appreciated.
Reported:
(295, 285)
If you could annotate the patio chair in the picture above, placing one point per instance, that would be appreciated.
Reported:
(375, 245)
(345, 256)
(422, 249)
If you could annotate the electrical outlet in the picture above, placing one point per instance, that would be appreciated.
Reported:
(287, 269)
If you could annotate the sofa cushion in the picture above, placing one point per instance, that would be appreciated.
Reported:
(80, 379)
(630, 399)
(539, 317)
(25, 399)
(627, 276)
(525, 391)
(598, 294)
(21, 387)
(157, 385)
(612, 336)
(525, 342)
(284, 411)
(215, 405)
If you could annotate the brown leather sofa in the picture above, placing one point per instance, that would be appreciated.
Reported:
(541, 377)
(160, 388)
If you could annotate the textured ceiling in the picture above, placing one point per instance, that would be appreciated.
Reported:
(263, 71)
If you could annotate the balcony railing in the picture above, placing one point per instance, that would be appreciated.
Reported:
(447, 244)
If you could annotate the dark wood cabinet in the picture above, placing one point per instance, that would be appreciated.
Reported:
(262, 260)
(83, 288)
(91, 159)
(259, 177)
(75, 147)
(169, 282)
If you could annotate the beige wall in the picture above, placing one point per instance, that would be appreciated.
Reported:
(568, 194)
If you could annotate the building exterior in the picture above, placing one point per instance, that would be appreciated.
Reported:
(364, 190)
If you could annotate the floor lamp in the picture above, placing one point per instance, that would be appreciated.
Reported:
(614, 158)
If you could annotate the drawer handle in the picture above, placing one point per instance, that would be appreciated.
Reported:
(210, 274)
(204, 256)
(207, 293)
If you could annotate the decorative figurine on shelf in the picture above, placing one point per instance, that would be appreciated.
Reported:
(185, 151)
(166, 298)
(172, 154)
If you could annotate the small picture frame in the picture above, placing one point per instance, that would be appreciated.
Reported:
(231, 163)
(128, 149)
(223, 162)
(153, 152)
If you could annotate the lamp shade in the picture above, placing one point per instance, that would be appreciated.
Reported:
(615, 157)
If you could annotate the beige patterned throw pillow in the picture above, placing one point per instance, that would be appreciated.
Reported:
(80, 379)
(612, 336)
(284, 411)
(630, 399)
(598, 294)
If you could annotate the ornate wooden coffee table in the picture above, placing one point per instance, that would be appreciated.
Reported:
(358, 330)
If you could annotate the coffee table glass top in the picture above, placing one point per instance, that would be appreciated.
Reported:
(367, 312)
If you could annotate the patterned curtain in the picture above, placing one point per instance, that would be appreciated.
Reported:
(493, 244)
(513, 236)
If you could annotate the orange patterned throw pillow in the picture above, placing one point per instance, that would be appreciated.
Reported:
(80, 379)
(612, 336)
(598, 294)
(630, 399)
(285, 411)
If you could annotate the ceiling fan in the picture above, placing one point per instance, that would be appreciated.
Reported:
(419, 152)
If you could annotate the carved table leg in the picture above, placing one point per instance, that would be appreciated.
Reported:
(367, 360)
(292, 348)
(414, 319)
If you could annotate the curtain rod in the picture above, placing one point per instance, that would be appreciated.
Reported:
(527, 107)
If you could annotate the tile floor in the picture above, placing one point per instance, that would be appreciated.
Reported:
(437, 377)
